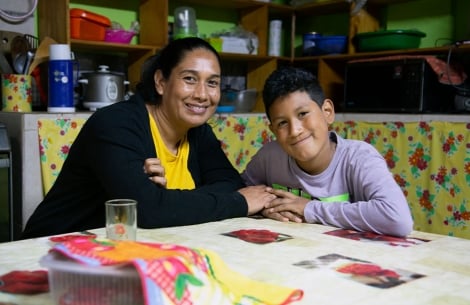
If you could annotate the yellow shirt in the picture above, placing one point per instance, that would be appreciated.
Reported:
(176, 166)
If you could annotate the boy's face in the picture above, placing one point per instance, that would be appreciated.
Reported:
(301, 128)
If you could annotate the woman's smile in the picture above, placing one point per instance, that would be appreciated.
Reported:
(198, 109)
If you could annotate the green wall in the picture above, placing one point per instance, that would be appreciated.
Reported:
(443, 21)
(433, 17)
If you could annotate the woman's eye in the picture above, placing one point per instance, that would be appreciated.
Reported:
(281, 124)
(213, 83)
(190, 79)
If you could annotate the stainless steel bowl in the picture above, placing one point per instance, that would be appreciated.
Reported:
(243, 101)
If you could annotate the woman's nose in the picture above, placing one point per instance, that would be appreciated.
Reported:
(200, 91)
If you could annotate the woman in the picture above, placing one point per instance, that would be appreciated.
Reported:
(115, 153)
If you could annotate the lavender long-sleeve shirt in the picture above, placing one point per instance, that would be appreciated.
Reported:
(357, 190)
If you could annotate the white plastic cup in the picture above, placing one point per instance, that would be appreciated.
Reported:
(275, 33)
(60, 52)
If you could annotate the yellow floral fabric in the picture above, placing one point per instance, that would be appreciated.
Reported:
(431, 163)
(241, 136)
(429, 160)
(55, 138)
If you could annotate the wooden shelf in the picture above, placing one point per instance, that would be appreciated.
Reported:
(106, 46)
(363, 55)
(336, 6)
(253, 15)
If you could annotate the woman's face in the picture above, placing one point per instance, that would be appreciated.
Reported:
(192, 92)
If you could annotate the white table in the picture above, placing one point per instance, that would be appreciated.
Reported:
(443, 261)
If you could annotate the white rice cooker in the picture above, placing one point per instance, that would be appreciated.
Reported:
(102, 88)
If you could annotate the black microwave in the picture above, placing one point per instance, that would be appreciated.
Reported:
(407, 85)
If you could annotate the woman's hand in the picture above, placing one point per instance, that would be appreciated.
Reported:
(156, 172)
(257, 197)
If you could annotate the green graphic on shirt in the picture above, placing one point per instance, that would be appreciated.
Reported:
(301, 193)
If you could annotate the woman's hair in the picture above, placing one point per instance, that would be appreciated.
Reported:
(287, 80)
(167, 59)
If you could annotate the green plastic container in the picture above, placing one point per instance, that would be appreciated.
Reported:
(388, 40)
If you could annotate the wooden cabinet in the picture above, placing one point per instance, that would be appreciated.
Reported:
(253, 15)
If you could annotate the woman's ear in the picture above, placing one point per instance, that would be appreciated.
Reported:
(159, 82)
(328, 110)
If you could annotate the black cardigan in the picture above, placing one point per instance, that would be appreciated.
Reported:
(106, 162)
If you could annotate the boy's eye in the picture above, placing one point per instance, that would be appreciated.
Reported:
(281, 124)
(302, 114)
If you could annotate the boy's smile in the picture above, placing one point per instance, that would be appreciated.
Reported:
(301, 128)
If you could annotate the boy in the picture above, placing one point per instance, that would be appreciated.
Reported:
(317, 176)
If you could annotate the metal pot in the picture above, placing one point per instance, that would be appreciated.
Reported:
(103, 86)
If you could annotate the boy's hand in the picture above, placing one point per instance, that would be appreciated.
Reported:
(285, 216)
(286, 207)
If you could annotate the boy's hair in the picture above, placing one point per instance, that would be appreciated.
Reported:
(286, 80)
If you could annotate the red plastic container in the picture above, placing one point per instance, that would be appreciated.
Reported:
(87, 25)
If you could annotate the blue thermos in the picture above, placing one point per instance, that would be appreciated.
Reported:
(61, 83)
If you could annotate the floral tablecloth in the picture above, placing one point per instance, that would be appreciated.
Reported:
(429, 160)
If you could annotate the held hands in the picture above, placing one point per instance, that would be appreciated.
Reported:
(257, 197)
(156, 172)
(286, 207)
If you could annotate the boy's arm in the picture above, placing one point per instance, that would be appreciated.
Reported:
(378, 203)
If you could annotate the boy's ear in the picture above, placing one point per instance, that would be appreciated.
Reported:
(328, 110)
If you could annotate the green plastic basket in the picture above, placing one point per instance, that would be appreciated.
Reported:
(388, 40)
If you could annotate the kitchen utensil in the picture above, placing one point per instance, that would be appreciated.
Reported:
(19, 45)
(32, 40)
(225, 109)
(29, 59)
(118, 36)
(103, 87)
(61, 82)
(325, 44)
(42, 53)
(87, 25)
(19, 62)
(388, 40)
(185, 22)
(243, 101)
(5, 65)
